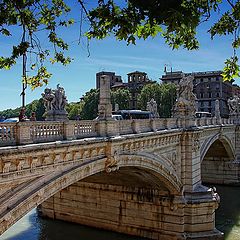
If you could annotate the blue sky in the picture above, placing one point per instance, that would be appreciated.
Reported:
(149, 56)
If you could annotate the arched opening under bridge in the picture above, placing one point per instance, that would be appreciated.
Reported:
(131, 200)
(217, 164)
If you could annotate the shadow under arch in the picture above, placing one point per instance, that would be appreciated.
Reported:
(226, 142)
(46, 186)
(217, 161)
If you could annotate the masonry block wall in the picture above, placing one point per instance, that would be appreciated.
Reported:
(142, 212)
(146, 213)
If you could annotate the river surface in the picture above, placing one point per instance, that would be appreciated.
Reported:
(32, 227)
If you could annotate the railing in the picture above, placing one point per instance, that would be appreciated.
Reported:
(47, 131)
(85, 128)
(212, 121)
(8, 133)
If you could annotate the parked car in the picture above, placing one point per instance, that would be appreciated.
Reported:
(114, 116)
(7, 129)
(203, 115)
(11, 120)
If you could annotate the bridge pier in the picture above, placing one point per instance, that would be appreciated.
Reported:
(144, 212)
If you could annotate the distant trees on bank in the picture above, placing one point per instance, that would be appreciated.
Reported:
(87, 107)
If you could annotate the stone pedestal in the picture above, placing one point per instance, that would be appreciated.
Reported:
(56, 115)
(23, 133)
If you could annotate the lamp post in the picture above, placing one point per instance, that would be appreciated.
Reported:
(22, 116)
(24, 84)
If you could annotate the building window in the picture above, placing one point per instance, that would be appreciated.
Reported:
(217, 78)
(209, 94)
(201, 80)
(201, 95)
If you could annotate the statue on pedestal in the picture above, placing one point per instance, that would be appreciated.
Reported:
(55, 102)
(186, 101)
(152, 107)
(234, 105)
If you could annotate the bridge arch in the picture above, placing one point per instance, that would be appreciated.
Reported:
(217, 161)
(46, 186)
(225, 141)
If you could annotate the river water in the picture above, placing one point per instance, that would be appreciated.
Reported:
(31, 227)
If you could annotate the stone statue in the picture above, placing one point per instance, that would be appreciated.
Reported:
(55, 102)
(48, 98)
(234, 105)
(152, 107)
(186, 101)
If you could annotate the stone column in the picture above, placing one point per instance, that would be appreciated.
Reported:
(107, 126)
(105, 106)
(217, 112)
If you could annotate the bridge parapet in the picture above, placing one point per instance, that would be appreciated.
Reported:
(212, 121)
(48, 131)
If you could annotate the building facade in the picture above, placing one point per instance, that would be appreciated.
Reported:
(208, 87)
(136, 81)
(114, 79)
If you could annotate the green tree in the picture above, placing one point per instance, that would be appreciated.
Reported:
(90, 105)
(39, 110)
(36, 106)
(9, 113)
(174, 20)
(30, 18)
(74, 110)
(121, 97)
(163, 94)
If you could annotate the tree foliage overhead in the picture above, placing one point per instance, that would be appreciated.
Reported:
(163, 94)
(174, 20)
(31, 18)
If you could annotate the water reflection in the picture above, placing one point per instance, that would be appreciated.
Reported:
(31, 227)
(228, 214)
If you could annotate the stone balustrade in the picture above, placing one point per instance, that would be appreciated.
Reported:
(212, 121)
(48, 131)
(45, 131)
(8, 133)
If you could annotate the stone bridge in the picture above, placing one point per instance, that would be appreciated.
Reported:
(140, 177)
